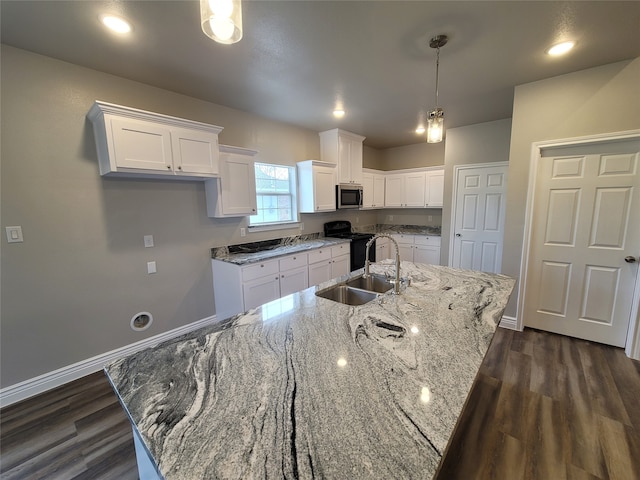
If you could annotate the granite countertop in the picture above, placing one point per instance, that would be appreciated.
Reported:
(304, 387)
(285, 249)
(403, 229)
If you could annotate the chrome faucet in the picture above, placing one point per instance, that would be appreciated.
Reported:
(367, 263)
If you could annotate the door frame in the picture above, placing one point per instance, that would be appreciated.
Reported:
(632, 346)
(454, 199)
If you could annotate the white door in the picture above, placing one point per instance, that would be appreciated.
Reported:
(414, 189)
(478, 221)
(238, 184)
(585, 222)
(194, 151)
(324, 189)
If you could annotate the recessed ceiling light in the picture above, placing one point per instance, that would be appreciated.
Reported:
(560, 48)
(116, 24)
(338, 113)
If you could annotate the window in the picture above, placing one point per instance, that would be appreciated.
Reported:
(275, 194)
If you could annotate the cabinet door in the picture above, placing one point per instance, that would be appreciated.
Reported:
(344, 159)
(414, 189)
(320, 272)
(194, 151)
(355, 160)
(394, 194)
(378, 191)
(426, 254)
(238, 185)
(434, 194)
(294, 280)
(141, 145)
(324, 189)
(368, 190)
(406, 252)
(340, 266)
(261, 290)
(382, 249)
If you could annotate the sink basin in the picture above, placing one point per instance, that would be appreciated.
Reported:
(372, 283)
(347, 295)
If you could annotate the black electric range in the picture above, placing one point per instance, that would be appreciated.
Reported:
(342, 229)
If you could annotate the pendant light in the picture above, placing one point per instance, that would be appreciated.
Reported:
(435, 118)
(221, 20)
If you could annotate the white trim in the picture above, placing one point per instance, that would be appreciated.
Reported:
(509, 322)
(632, 348)
(47, 381)
(454, 195)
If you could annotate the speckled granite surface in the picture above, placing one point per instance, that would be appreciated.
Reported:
(304, 387)
(285, 249)
(407, 229)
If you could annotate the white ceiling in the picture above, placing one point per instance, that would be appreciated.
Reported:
(298, 57)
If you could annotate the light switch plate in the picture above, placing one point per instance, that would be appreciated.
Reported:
(151, 267)
(14, 234)
(148, 241)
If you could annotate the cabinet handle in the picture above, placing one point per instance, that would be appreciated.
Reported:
(253, 209)
(281, 276)
(261, 266)
(180, 168)
(168, 167)
(294, 258)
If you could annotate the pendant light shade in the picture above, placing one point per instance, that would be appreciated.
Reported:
(221, 20)
(435, 121)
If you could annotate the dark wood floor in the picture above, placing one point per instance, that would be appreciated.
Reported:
(543, 407)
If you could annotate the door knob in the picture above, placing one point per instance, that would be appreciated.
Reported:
(458, 234)
(630, 259)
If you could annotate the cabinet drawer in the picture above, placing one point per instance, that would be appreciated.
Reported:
(319, 255)
(427, 240)
(402, 238)
(342, 249)
(293, 261)
(258, 270)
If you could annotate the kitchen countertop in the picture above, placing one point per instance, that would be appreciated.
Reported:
(301, 246)
(304, 387)
(403, 229)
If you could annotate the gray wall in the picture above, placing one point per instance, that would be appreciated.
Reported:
(480, 143)
(414, 156)
(597, 100)
(70, 290)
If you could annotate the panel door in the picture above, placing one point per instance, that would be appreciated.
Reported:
(426, 254)
(479, 218)
(394, 191)
(414, 189)
(259, 291)
(340, 266)
(434, 195)
(378, 191)
(367, 190)
(320, 272)
(294, 280)
(585, 223)
(142, 145)
(324, 186)
(194, 151)
(238, 183)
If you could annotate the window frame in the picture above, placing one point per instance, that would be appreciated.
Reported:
(292, 194)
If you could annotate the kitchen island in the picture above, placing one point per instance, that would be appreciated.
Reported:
(304, 387)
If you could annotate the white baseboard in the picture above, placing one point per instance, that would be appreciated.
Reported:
(47, 381)
(509, 322)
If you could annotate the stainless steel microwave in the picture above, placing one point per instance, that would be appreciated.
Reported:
(349, 196)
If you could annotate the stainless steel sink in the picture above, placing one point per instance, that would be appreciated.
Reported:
(347, 295)
(372, 283)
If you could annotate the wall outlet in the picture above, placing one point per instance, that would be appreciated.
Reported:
(430, 218)
(357, 219)
(302, 226)
(151, 267)
(148, 241)
(14, 234)
(391, 218)
(243, 232)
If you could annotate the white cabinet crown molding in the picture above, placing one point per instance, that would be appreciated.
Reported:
(100, 108)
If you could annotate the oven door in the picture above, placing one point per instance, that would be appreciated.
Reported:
(349, 196)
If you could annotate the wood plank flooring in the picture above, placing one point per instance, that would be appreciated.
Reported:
(543, 406)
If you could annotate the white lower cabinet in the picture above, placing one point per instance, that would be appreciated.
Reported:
(382, 249)
(418, 248)
(328, 263)
(238, 288)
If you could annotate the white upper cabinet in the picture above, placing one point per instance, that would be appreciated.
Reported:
(316, 186)
(405, 190)
(434, 194)
(344, 150)
(372, 189)
(234, 193)
(132, 142)
(418, 188)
